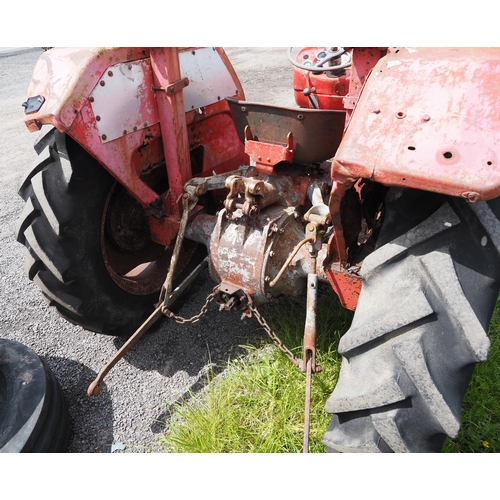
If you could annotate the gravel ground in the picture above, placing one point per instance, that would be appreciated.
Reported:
(132, 409)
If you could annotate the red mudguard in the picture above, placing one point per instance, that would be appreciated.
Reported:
(428, 119)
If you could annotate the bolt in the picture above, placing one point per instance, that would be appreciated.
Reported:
(124, 132)
(269, 160)
(102, 83)
(91, 99)
(400, 114)
(110, 73)
(254, 211)
(273, 229)
(376, 111)
(98, 118)
(104, 137)
(267, 279)
(426, 118)
(271, 254)
(472, 196)
(129, 66)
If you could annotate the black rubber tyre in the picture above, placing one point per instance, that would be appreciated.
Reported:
(33, 414)
(420, 327)
(88, 241)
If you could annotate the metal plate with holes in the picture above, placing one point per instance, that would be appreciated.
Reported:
(123, 100)
(209, 79)
(428, 118)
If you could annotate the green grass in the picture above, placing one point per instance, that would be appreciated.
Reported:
(257, 403)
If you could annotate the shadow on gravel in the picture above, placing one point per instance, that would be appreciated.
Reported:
(169, 347)
(91, 418)
(213, 340)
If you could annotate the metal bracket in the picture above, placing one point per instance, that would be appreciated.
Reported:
(267, 155)
(174, 87)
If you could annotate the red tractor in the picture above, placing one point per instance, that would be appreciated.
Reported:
(383, 182)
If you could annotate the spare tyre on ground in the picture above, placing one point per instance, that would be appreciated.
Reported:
(34, 416)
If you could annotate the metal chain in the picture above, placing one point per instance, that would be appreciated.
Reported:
(183, 321)
(252, 308)
(277, 341)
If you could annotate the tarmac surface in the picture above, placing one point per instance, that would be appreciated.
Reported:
(14, 51)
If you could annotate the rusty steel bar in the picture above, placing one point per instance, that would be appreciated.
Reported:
(167, 286)
(95, 387)
(310, 326)
(309, 349)
(307, 411)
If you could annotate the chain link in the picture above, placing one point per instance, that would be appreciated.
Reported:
(277, 341)
(183, 321)
(253, 311)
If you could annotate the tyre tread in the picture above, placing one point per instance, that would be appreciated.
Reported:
(407, 362)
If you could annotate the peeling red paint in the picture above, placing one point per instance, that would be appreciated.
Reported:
(428, 119)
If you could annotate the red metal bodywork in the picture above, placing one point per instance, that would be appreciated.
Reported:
(340, 91)
(69, 80)
(428, 119)
(424, 118)
(419, 118)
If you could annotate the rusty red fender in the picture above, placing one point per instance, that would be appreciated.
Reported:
(428, 118)
(115, 102)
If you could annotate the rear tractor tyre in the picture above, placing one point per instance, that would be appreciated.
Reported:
(89, 247)
(420, 327)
